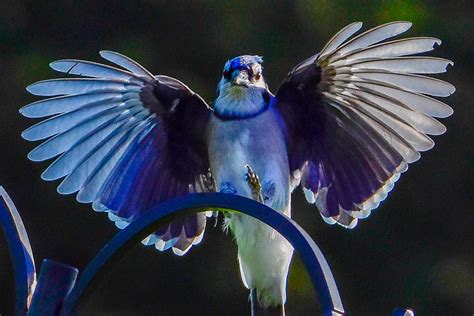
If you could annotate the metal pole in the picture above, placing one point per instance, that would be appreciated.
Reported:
(55, 282)
(164, 213)
(20, 252)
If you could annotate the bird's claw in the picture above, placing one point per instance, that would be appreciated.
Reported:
(254, 183)
(207, 182)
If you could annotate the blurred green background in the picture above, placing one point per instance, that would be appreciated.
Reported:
(416, 250)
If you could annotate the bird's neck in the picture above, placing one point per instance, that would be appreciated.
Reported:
(238, 102)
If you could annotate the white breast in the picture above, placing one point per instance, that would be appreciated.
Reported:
(264, 256)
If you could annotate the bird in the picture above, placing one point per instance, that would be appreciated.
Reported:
(343, 126)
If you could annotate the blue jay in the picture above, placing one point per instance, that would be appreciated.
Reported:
(343, 125)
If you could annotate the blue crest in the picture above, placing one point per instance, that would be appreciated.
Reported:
(242, 62)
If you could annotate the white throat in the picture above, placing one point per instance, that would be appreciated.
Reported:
(239, 101)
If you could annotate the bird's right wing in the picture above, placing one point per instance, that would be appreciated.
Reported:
(358, 113)
(126, 140)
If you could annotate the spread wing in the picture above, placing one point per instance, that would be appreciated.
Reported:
(125, 140)
(358, 113)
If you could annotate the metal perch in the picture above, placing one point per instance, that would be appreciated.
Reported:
(58, 293)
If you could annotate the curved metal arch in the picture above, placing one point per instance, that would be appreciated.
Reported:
(20, 251)
(311, 256)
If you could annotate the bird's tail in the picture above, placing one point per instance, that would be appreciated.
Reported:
(259, 310)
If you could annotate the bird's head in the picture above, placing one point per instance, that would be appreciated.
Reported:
(242, 87)
(243, 72)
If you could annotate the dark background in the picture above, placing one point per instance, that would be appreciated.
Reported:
(416, 250)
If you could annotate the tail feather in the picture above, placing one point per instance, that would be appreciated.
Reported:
(259, 310)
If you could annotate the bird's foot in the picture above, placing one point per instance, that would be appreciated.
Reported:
(208, 183)
(254, 183)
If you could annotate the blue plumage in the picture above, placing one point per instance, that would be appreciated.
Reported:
(344, 124)
(242, 63)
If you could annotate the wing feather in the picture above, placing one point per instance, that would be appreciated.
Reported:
(414, 65)
(340, 37)
(66, 104)
(54, 87)
(66, 140)
(83, 169)
(372, 36)
(64, 122)
(119, 135)
(126, 62)
(66, 163)
(417, 140)
(90, 69)
(358, 113)
(396, 48)
(410, 82)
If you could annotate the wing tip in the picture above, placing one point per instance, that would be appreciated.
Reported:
(406, 24)
(428, 145)
(356, 24)
(162, 245)
(63, 65)
(24, 111)
(29, 112)
(309, 195)
(180, 252)
(31, 88)
(63, 190)
(106, 52)
(442, 130)
(25, 136)
(152, 239)
(446, 112)
(40, 88)
(353, 221)
(31, 157)
(48, 176)
(450, 89)
(350, 218)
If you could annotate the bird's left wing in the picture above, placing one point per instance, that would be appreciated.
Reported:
(126, 140)
(358, 113)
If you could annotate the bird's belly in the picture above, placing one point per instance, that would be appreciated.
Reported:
(264, 255)
(257, 142)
